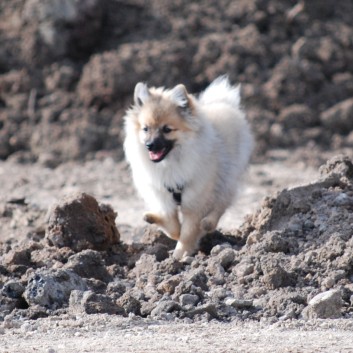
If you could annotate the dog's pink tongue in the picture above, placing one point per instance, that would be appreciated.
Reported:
(156, 155)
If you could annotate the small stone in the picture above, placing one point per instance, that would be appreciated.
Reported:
(116, 289)
(198, 278)
(188, 299)
(243, 269)
(17, 257)
(218, 248)
(239, 303)
(169, 285)
(208, 308)
(326, 305)
(226, 257)
(130, 304)
(164, 307)
(12, 289)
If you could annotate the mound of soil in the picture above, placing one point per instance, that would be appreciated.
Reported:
(68, 69)
(290, 259)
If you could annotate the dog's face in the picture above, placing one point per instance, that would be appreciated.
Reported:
(161, 119)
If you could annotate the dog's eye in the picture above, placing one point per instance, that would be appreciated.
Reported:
(145, 128)
(166, 129)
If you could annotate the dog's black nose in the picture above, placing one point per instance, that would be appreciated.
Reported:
(150, 146)
(155, 145)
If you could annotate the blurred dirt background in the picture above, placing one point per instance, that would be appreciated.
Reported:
(73, 248)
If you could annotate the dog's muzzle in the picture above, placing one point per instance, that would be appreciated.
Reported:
(159, 148)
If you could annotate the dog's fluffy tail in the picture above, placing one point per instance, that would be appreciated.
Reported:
(221, 91)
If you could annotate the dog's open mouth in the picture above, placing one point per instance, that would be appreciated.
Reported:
(157, 156)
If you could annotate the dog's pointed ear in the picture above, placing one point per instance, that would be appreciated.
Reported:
(180, 97)
(141, 94)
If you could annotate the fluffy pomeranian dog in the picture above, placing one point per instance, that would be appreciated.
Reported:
(187, 156)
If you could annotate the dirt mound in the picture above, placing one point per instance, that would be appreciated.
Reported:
(291, 259)
(67, 70)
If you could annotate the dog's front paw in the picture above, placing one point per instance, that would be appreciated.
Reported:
(150, 218)
(181, 250)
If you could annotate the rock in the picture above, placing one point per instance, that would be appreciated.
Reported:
(239, 303)
(13, 289)
(169, 285)
(116, 289)
(244, 268)
(275, 276)
(171, 265)
(218, 248)
(17, 256)
(79, 222)
(226, 257)
(147, 307)
(129, 304)
(52, 288)
(326, 305)
(209, 308)
(91, 303)
(188, 299)
(164, 307)
(198, 278)
(159, 250)
(88, 264)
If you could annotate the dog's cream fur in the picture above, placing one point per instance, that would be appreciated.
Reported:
(212, 147)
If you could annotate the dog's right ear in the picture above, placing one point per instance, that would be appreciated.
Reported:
(141, 94)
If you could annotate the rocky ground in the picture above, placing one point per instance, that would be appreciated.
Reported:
(79, 271)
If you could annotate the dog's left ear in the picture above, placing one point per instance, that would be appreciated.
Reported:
(179, 96)
(141, 94)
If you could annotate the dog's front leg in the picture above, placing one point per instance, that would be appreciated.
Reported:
(190, 235)
(169, 223)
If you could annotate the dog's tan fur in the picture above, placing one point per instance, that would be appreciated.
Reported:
(212, 144)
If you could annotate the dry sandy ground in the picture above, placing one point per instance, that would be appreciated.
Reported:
(110, 182)
(103, 333)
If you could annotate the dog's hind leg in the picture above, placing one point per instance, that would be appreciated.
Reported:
(169, 223)
(209, 223)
